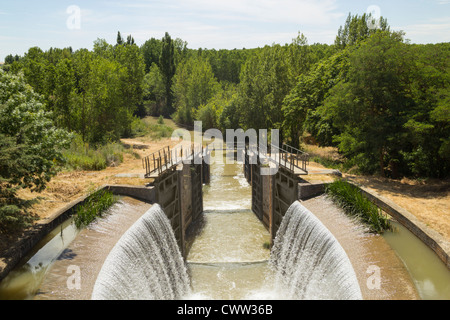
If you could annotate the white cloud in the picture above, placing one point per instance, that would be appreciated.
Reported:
(288, 11)
(427, 32)
(230, 23)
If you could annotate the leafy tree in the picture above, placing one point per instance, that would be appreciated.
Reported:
(427, 126)
(357, 29)
(265, 81)
(154, 91)
(369, 109)
(106, 116)
(129, 56)
(151, 52)
(301, 106)
(10, 59)
(30, 148)
(211, 113)
(82, 61)
(120, 40)
(167, 67)
(194, 85)
(64, 89)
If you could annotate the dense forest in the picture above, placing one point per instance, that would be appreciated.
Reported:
(383, 102)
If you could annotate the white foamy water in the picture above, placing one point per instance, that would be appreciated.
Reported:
(145, 264)
(309, 262)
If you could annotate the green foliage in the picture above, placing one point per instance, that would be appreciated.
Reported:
(14, 213)
(194, 86)
(383, 102)
(139, 128)
(93, 93)
(168, 69)
(265, 81)
(83, 156)
(96, 205)
(300, 106)
(158, 131)
(154, 91)
(356, 29)
(226, 64)
(29, 149)
(151, 51)
(354, 203)
(35, 142)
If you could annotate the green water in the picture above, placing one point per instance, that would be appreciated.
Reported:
(429, 274)
(23, 282)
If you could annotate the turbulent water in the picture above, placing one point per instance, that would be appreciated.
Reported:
(146, 263)
(309, 262)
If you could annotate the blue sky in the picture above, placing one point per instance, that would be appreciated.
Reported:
(220, 24)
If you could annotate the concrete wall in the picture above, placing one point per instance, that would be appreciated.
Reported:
(428, 236)
(307, 190)
(172, 191)
(285, 193)
(32, 237)
(431, 238)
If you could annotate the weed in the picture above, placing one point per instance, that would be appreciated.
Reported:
(354, 203)
(94, 206)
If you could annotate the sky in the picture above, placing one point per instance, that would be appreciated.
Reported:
(218, 24)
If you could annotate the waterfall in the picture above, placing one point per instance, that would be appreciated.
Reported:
(309, 262)
(145, 264)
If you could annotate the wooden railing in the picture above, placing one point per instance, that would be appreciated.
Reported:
(287, 157)
(165, 159)
(290, 157)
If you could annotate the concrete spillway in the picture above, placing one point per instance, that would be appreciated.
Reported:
(309, 261)
(146, 263)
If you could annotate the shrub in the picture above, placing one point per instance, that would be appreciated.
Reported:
(354, 203)
(95, 206)
(138, 128)
(82, 156)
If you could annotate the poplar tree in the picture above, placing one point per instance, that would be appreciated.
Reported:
(167, 66)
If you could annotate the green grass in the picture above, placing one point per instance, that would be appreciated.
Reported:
(154, 128)
(354, 203)
(328, 162)
(83, 156)
(95, 206)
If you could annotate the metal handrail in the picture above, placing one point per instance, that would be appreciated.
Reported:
(286, 156)
(167, 158)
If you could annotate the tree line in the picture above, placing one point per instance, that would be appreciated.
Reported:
(382, 101)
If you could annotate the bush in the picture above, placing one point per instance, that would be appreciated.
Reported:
(138, 128)
(14, 214)
(81, 156)
(159, 131)
(30, 148)
(95, 206)
(355, 203)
